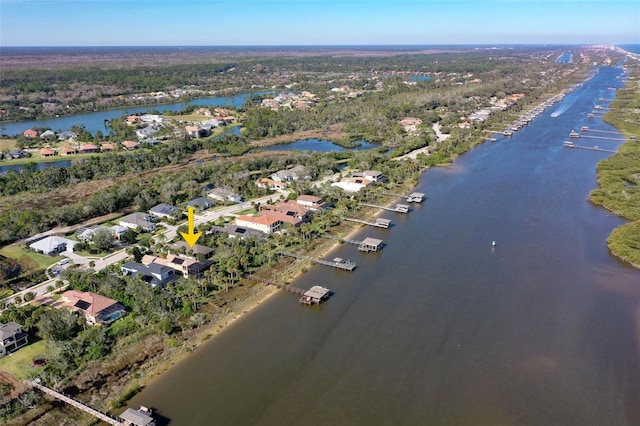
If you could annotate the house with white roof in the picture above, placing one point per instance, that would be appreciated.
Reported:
(52, 245)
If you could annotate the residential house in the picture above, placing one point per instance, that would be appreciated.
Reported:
(287, 212)
(204, 111)
(68, 150)
(145, 132)
(265, 224)
(133, 119)
(97, 309)
(197, 249)
(138, 220)
(150, 142)
(87, 234)
(30, 133)
(311, 202)
(235, 231)
(223, 194)
(154, 274)
(289, 175)
(186, 266)
(88, 148)
(14, 154)
(48, 134)
(271, 184)
(163, 210)
(52, 245)
(65, 136)
(353, 184)
(201, 203)
(373, 175)
(107, 147)
(152, 118)
(12, 338)
(47, 152)
(130, 145)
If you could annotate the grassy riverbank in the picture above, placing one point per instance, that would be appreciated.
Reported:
(619, 175)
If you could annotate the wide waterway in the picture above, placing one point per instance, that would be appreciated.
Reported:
(439, 328)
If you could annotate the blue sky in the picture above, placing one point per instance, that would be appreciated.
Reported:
(315, 22)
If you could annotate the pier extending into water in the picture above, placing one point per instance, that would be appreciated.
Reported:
(380, 222)
(607, 138)
(79, 405)
(315, 295)
(590, 148)
(399, 208)
(414, 197)
(338, 262)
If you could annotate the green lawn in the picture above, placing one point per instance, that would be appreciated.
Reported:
(15, 251)
(20, 363)
(7, 144)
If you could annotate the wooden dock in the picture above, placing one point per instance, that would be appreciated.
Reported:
(414, 197)
(380, 222)
(602, 137)
(79, 405)
(399, 208)
(346, 265)
(315, 295)
(590, 148)
(587, 129)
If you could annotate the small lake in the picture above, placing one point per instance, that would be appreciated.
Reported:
(95, 121)
(318, 145)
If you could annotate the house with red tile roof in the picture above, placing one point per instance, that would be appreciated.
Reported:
(107, 147)
(47, 152)
(271, 184)
(129, 145)
(68, 150)
(97, 309)
(88, 148)
(30, 133)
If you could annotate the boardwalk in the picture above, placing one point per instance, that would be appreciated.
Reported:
(590, 148)
(104, 417)
(285, 287)
(346, 265)
(398, 208)
(602, 137)
(380, 222)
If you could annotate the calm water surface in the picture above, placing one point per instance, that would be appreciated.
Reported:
(439, 328)
(317, 145)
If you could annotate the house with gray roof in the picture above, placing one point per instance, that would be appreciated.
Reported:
(154, 274)
(201, 203)
(163, 210)
(139, 417)
(12, 338)
(138, 220)
(223, 194)
(197, 249)
(235, 231)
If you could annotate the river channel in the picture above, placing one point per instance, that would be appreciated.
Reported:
(439, 328)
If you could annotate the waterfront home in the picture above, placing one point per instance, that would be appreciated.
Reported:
(204, 111)
(311, 202)
(187, 267)
(201, 203)
(96, 309)
(265, 224)
(288, 208)
(47, 152)
(68, 150)
(138, 220)
(154, 274)
(30, 133)
(133, 119)
(353, 184)
(235, 231)
(12, 338)
(284, 217)
(163, 210)
(223, 194)
(68, 135)
(14, 154)
(88, 148)
(52, 245)
(373, 175)
(48, 134)
(152, 118)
